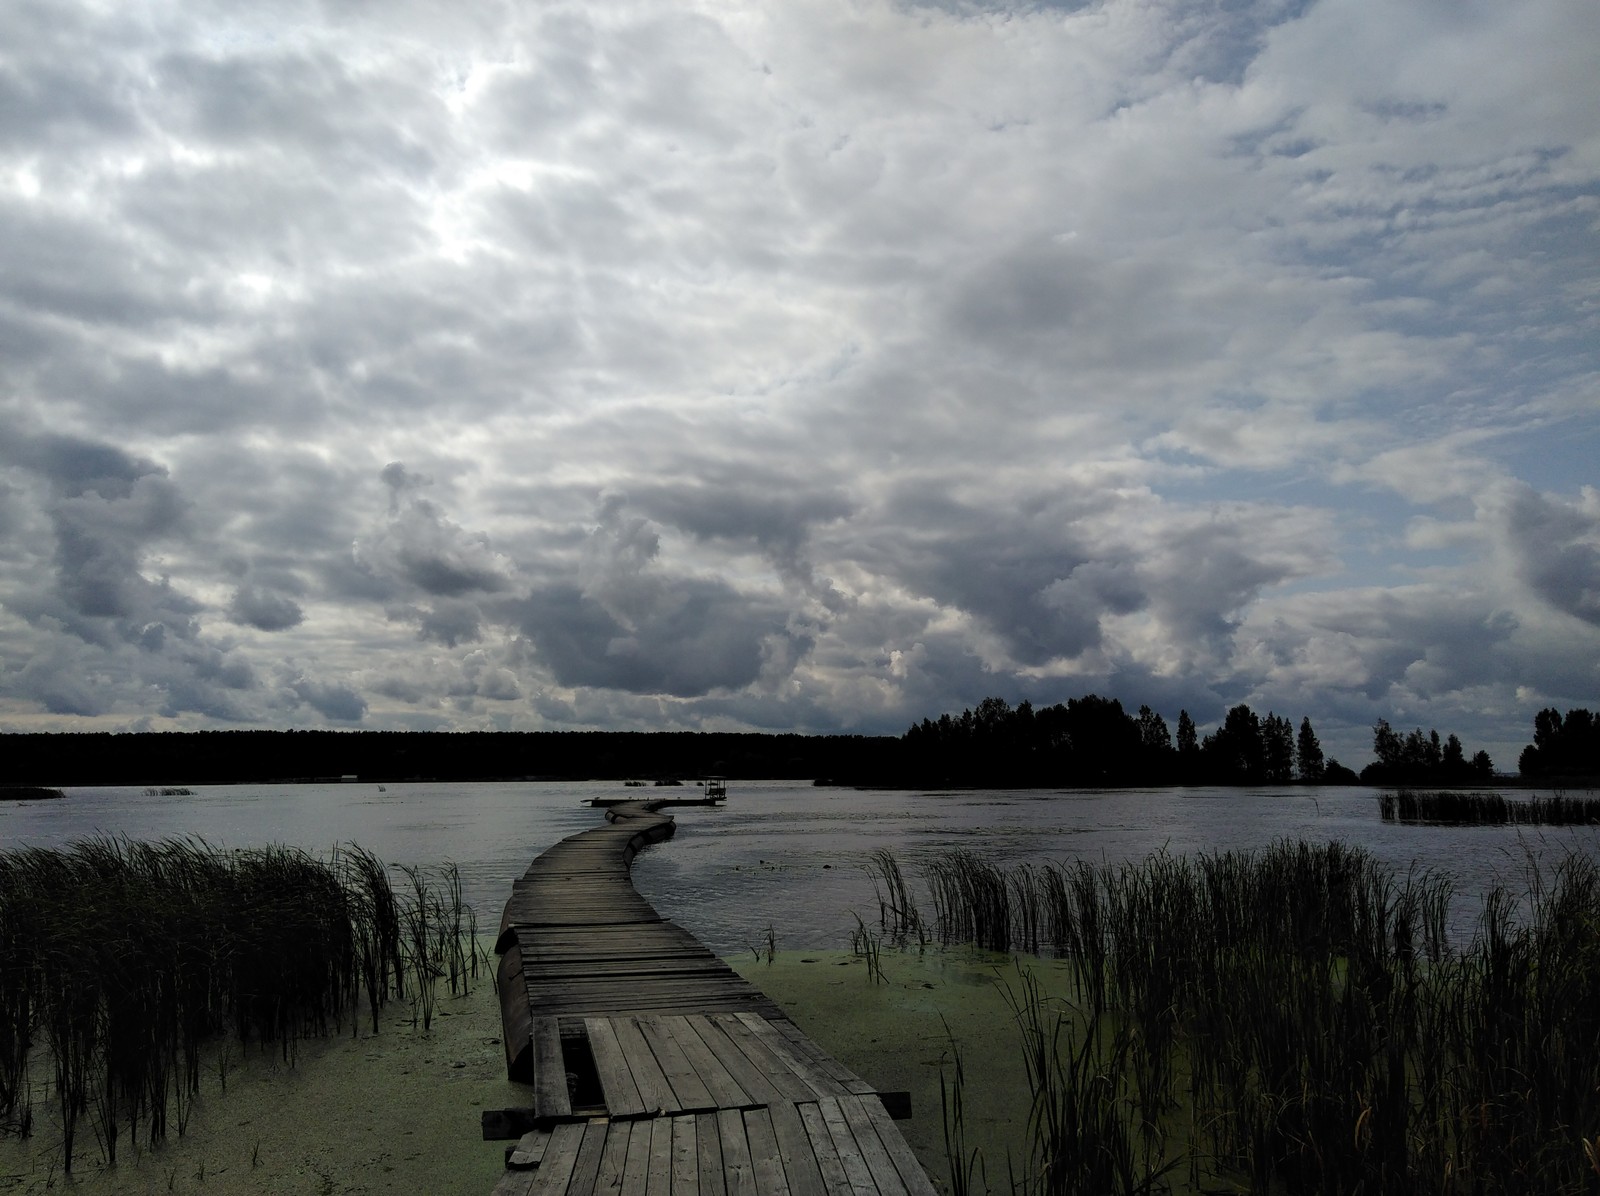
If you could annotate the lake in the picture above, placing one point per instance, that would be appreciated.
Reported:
(783, 854)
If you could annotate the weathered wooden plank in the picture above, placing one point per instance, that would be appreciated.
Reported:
(550, 1095)
(794, 1149)
(708, 1153)
(659, 1181)
(611, 1065)
(820, 1082)
(685, 1156)
(764, 1156)
(560, 1157)
(586, 1171)
(905, 1162)
(738, 1171)
(872, 1149)
(776, 1069)
(516, 1183)
(756, 1085)
(808, 1046)
(614, 1159)
(528, 1152)
(844, 1143)
(823, 1150)
(688, 1089)
(636, 1169)
(719, 1081)
(654, 1091)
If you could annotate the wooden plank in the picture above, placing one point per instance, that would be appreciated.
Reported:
(905, 1162)
(823, 1150)
(708, 1152)
(659, 1182)
(873, 1152)
(738, 1171)
(559, 1159)
(586, 1171)
(614, 1159)
(685, 1156)
(764, 1156)
(654, 1091)
(794, 1149)
(802, 1043)
(636, 1169)
(844, 1143)
(688, 1089)
(756, 1085)
(516, 1183)
(776, 1069)
(802, 1065)
(528, 1153)
(611, 1065)
(550, 1096)
(719, 1081)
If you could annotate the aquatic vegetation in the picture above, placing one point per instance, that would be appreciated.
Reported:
(1451, 808)
(120, 961)
(1295, 1020)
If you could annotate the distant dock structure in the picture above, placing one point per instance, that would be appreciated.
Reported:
(653, 1066)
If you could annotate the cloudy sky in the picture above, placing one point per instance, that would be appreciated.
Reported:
(812, 366)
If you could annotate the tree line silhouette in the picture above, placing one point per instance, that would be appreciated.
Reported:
(1562, 748)
(1085, 742)
(1092, 741)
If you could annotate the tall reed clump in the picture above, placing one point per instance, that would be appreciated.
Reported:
(120, 961)
(1448, 808)
(1295, 1020)
(898, 915)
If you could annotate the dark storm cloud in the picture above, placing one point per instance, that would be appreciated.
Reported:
(265, 610)
(338, 702)
(1557, 546)
(419, 547)
(1026, 573)
(106, 508)
(1205, 572)
(705, 636)
(772, 515)
(449, 622)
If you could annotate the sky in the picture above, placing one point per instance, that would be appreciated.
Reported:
(817, 366)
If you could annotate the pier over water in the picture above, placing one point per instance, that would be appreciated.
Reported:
(654, 1068)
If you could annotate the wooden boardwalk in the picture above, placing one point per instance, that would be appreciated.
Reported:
(655, 1068)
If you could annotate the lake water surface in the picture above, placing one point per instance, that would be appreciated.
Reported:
(780, 853)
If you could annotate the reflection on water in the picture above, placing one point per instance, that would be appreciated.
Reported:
(782, 854)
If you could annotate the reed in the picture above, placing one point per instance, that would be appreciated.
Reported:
(898, 915)
(1296, 1020)
(121, 961)
(1450, 808)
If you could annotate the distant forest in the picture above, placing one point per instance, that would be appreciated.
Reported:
(1089, 742)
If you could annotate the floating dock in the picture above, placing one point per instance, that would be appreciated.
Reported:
(655, 1069)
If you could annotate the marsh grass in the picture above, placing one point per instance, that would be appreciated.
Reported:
(1295, 1020)
(1450, 808)
(121, 961)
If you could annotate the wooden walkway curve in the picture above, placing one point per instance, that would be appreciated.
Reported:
(655, 1069)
